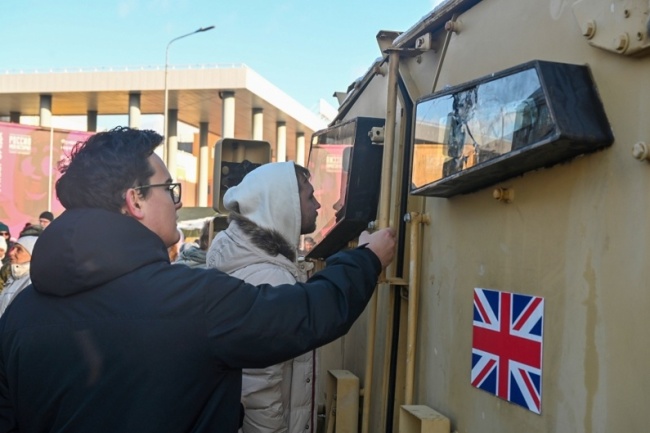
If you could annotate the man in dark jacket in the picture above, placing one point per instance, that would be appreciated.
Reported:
(112, 338)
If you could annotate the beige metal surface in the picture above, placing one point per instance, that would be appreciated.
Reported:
(416, 220)
(342, 407)
(573, 235)
(422, 419)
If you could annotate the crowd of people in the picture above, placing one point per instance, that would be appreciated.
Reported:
(110, 337)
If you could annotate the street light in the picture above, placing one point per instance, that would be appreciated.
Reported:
(170, 148)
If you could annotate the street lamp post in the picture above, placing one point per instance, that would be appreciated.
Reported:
(171, 147)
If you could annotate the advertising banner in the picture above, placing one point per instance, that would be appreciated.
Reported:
(29, 156)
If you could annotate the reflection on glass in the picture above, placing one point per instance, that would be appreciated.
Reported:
(329, 161)
(457, 131)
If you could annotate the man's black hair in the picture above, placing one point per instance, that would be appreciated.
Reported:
(302, 174)
(103, 167)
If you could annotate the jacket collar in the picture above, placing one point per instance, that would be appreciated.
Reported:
(268, 240)
(86, 248)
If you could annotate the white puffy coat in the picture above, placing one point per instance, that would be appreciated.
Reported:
(259, 246)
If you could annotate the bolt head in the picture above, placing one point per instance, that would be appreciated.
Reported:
(621, 42)
(589, 29)
(640, 151)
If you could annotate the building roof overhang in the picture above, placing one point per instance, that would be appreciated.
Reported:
(195, 92)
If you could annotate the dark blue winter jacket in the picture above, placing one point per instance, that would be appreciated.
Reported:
(112, 338)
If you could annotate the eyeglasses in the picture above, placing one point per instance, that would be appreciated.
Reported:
(4, 233)
(173, 188)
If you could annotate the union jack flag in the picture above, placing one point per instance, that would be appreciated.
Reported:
(507, 346)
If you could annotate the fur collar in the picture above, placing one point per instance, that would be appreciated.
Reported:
(268, 240)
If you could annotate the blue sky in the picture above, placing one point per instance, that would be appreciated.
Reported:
(309, 49)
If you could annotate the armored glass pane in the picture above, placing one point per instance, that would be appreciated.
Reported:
(346, 168)
(455, 132)
(329, 162)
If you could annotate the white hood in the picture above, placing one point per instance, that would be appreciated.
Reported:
(268, 196)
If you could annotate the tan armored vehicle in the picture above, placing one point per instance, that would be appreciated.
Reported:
(514, 137)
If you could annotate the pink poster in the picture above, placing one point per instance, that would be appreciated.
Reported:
(28, 171)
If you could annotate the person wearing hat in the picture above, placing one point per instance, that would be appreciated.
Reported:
(45, 218)
(5, 271)
(5, 233)
(5, 264)
(20, 256)
(3, 249)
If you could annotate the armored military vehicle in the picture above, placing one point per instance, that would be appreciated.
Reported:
(514, 143)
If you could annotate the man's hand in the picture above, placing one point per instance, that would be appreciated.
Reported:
(382, 243)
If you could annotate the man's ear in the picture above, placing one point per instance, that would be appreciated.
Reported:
(132, 204)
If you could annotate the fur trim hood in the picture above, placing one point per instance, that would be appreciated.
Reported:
(270, 241)
(245, 248)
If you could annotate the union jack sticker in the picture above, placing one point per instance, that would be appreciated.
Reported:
(507, 346)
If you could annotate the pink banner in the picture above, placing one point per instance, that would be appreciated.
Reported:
(28, 171)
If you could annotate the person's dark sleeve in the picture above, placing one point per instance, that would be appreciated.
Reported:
(253, 327)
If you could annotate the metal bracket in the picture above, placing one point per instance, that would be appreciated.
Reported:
(376, 134)
(618, 26)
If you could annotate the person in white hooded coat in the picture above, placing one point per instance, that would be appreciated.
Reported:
(269, 210)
